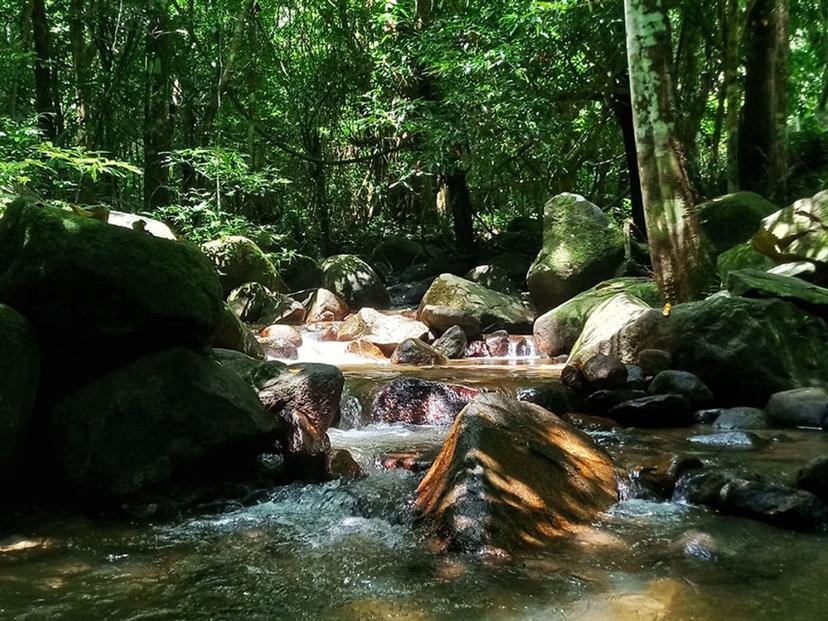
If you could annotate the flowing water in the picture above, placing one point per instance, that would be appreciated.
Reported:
(349, 550)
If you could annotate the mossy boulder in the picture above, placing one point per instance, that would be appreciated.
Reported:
(603, 329)
(103, 287)
(399, 253)
(798, 232)
(732, 219)
(162, 416)
(232, 333)
(255, 303)
(19, 374)
(239, 260)
(492, 277)
(744, 349)
(742, 256)
(581, 247)
(301, 272)
(557, 330)
(452, 300)
(354, 281)
(756, 284)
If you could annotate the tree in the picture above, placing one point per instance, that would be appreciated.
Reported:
(679, 262)
(46, 102)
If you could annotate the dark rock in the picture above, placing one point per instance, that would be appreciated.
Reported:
(756, 284)
(121, 293)
(775, 504)
(732, 219)
(301, 272)
(585, 422)
(453, 343)
(354, 281)
(743, 349)
(512, 475)
(477, 349)
(730, 439)
(573, 377)
(409, 293)
(602, 400)
(492, 277)
(814, 478)
(635, 378)
(255, 303)
(498, 344)
(655, 411)
(688, 385)
(742, 256)
(741, 418)
(604, 372)
(341, 466)
(800, 407)
(351, 413)
(145, 423)
(654, 361)
(399, 253)
(708, 416)
(417, 353)
(701, 487)
(231, 333)
(239, 260)
(555, 397)
(656, 478)
(414, 461)
(420, 402)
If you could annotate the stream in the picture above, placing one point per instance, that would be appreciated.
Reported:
(350, 551)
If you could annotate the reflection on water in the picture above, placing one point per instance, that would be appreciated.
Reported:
(351, 550)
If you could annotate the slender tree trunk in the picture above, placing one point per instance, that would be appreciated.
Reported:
(157, 114)
(460, 206)
(679, 262)
(733, 93)
(762, 165)
(622, 108)
(80, 66)
(48, 118)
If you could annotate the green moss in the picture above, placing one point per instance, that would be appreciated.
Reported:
(732, 219)
(743, 256)
(239, 260)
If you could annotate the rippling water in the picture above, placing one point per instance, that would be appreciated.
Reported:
(350, 551)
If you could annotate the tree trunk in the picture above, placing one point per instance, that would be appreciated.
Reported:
(733, 94)
(157, 115)
(460, 206)
(80, 66)
(47, 112)
(762, 165)
(680, 265)
(622, 108)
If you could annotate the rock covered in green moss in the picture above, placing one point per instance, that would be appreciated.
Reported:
(354, 281)
(232, 334)
(452, 300)
(255, 303)
(492, 277)
(301, 272)
(103, 287)
(742, 256)
(19, 373)
(602, 331)
(239, 260)
(581, 247)
(798, 232)
(756, 284)
(732, 219)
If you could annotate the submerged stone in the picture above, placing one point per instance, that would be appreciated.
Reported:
(420, 402)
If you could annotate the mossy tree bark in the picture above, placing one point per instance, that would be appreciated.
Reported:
(680, 263)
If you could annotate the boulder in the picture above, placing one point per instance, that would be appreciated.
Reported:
(492, 277)
(154, 419)
(364, 349)
(384, 331)
(326, 306)
(756, 284)
(354, 281)
(282, 342)
(452, 300)
(742, 256)
(415, 352)
(143, 224)
(604, 372)
(255, 303)
(688, 385)
(498, 343)
(702, 487)
(555, 397)
(231, 333)
(743, 349)
(420, 402)
(659, 411)
(602, 332)
(239, 260)
(581, 247)
(741, 418)
(512, 475)
(654, 361)
(103, 288)
(814, 478)
(301, 272)
(799, 407)
(453, 343)
(342, 466)
(742, 440)
(19, 374)
(409, 293)
(557, 330)
(797, 233)
(656, 477)
(732, 219)
(600, 401)
(775, 504)
(399, 253)
(477, 349)
(798, 269)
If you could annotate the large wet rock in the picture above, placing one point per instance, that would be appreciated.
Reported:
(417, 353)
(103, 288)
(581, 247)
(492, 277)
(232, 333)
(19, 374)
(157, 418)
(326, 306)
(798, 232)
(756, 284)
(512, 475)
(656, 411)
(255, 303)
(743, 349)
(770, 502)
(737, 440)
(656, 477)
(603, 330)
(453, 343)
(741, 418)
(554, 396)
(604, 372)
(742, 256)
(239, 260)
(688, 385)
(354, 281)
(813, 477)
(384, 331)
(301, 272)
(732, 219)
(452, 300)
(399, 253)
(800, 407)
(557, 330)
(420, 402)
